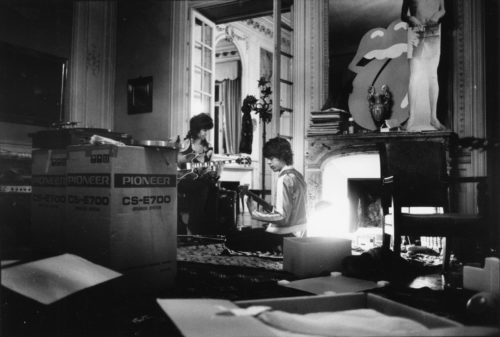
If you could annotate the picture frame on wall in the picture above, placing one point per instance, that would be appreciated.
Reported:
(32, 86)
(140, 95)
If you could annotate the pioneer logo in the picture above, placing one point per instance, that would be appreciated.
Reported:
(48, 180)
(89, 180)
(145, 180)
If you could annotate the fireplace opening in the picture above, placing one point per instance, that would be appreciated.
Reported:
(366, 215)
(332, 214)
(348, 204)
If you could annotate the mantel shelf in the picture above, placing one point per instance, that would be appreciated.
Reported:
(381, 136)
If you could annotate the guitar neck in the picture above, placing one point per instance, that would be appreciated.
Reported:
(267, 206)
(220, 160)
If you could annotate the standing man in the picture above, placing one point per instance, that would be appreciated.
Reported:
(288, 216)
(424, 51)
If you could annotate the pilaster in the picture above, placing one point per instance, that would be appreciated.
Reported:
(92, 70)
(310, 68)
(179, 63)
(469, 117)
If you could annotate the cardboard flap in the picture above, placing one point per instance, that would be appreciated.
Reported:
(54, 278)
(199, 318)
(331, 284)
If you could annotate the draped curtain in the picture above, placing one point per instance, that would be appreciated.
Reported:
(230, 93)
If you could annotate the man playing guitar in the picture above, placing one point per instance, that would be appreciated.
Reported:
(196, 185)
(287, 217)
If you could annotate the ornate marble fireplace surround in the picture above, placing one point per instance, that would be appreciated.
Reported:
(322, 149)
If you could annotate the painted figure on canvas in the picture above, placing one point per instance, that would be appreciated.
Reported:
(424, 50)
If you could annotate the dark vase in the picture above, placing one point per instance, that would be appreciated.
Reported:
(379, 115)
(380, 105)
(246, 133)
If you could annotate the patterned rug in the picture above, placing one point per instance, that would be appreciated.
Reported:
(219, 254)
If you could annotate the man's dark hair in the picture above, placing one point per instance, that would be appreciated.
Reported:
(199, 122)
(279, 148)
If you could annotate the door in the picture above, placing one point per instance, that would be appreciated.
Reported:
(202, 66)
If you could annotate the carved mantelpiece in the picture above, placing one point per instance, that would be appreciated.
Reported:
(323, 148)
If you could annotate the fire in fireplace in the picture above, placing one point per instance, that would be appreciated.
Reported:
(335, 215)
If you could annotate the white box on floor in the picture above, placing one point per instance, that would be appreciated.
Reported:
(314, 256)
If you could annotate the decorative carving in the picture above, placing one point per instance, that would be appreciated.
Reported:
(459, 71)
(310, 5)
(263, 29)
(231, 33)
(94, 59)
(313, 180)
(325, 44)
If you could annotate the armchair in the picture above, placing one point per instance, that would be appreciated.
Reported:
(414, 174)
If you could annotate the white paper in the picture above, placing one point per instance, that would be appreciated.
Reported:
(335, 284)
(201, 318)
(52, 279)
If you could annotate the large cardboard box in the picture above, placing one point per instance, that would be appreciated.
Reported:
(48, 200)
(122, 208)
(201, 317)
(313, 256)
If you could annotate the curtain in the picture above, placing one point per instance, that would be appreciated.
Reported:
(230, 108)
(226, 70)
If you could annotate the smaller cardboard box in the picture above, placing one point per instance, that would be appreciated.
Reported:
(48, 200)
(305, 257)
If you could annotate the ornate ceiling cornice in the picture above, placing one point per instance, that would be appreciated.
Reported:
(264, 26)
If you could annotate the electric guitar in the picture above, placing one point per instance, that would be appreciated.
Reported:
(265, 205)
(195, 170)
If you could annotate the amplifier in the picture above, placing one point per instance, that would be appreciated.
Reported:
(227, 211)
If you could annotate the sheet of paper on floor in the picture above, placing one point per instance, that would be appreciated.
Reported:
(54, 278)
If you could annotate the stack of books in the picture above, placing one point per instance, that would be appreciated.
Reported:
(328, 121)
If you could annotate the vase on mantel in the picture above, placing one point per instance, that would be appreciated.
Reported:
(379, 105)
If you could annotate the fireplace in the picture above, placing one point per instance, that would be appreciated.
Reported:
(343, 172)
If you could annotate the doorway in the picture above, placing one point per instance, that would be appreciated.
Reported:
(227, 114)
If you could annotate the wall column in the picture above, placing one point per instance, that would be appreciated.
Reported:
(179, 63)
(310, 68)
(92, 69)
(469, 117)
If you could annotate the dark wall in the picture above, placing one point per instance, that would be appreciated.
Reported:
(43, 26)
(143, 49)
(492, 25)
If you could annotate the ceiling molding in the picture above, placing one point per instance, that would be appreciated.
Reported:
(237, 10)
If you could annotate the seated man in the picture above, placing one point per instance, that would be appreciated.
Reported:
(196, 187)
(288, 216)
